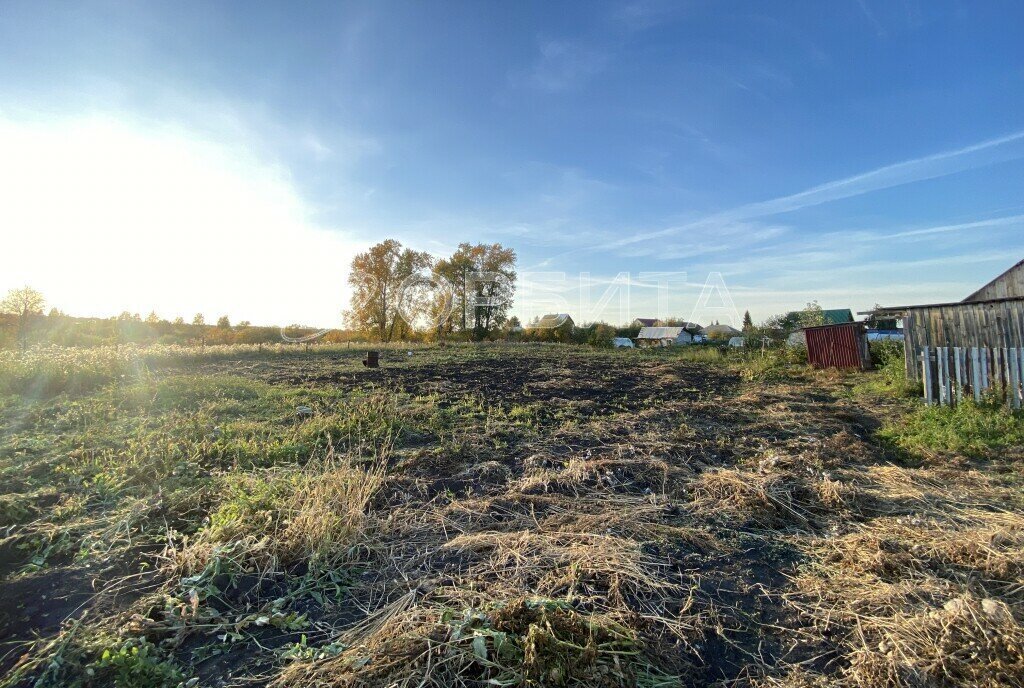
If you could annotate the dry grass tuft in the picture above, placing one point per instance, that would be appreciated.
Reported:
(759, 499)
(966, 642)
(316, 515)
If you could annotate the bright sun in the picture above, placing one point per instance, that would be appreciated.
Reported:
(103, 215)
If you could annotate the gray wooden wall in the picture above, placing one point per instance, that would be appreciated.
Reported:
(966, 324)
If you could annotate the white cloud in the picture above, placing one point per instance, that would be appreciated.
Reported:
(104, 213)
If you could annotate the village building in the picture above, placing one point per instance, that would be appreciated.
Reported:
(554, 321)
(989, 319)
(717, 331)
(663, 336)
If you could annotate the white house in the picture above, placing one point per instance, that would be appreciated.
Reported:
(663, 336)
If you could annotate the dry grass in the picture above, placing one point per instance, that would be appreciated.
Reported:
(317, 515)
(534, 532)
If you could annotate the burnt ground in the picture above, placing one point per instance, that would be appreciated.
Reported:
(638, 489)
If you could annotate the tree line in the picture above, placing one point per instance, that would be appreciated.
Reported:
(25, 321)
(400, 293)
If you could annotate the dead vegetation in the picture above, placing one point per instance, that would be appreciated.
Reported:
(571, 519)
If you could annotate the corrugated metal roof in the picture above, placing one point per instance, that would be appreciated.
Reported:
(661, 333)
(835, 316)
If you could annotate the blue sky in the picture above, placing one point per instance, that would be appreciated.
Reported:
(846, 152)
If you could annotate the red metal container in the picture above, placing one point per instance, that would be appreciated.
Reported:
(838, 346)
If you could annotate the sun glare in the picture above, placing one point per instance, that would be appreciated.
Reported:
(101, 213)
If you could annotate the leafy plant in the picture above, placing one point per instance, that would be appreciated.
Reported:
(136, 663)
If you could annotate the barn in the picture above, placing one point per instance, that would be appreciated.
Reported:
(991, 319)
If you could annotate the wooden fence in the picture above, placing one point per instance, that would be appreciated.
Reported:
(951, 373)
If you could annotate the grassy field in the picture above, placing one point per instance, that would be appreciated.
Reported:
(502, 516)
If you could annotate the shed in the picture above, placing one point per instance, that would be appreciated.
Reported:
(838, 346)
(990, 324)
(990, 318)
(837, 316)
(663, 336)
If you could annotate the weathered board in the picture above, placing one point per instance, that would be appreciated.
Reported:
(951, 373)
(989, 324)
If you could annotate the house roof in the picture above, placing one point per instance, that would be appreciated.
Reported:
(647, 322)
(899, 310)
(835, 316)
(830, 316)
(553, 320)
(661, 332)
(721, 329)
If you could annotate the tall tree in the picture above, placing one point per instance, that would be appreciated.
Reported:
(24, 303)
(484, 279)
(748, 322)
(376, 278)
(223, 322)
(199, 319)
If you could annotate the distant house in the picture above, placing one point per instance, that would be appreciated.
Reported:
(691, 327)
(829, 316)
(663, 336)
(720, 332)
(554, 321)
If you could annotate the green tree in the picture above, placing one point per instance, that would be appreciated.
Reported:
(223, 322)
(748, 323)
(484, 279)
(811, 316)
(198, 319)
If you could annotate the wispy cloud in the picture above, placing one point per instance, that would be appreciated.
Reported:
(909, 171)
(1008, 221)
(562, 65)
(870, 16)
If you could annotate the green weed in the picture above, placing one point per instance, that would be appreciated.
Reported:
(970, 428)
